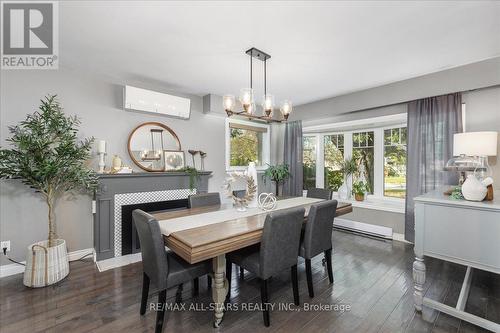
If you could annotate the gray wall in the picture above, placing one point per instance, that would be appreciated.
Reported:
(98, 103)
(483, 114)
(480, 74)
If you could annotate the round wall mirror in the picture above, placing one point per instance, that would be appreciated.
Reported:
(147, 145)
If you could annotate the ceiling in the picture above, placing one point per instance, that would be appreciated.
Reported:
(318, 49)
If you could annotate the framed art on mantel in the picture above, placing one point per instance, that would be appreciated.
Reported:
(174, 159)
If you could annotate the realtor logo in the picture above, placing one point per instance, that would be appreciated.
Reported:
(29, 35)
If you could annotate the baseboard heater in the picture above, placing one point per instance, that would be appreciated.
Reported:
(364, 228)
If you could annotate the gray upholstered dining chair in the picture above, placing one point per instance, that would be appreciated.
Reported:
(319, 193)
(278, 250)
(317, 238)
(161, 267)
(204, 199)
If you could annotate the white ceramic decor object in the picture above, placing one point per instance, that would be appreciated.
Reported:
(343, 191)
(267, 201)
(46, 265)
(252, 172)
(473, 189)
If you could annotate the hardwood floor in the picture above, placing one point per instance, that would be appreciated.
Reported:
(372, 276)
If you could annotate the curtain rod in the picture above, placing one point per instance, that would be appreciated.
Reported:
(408, 101)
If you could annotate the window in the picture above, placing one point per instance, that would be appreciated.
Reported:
(363, 153)
(395, 162)
(334, 154)
(309, 161)
(246, 142)
(378, 150)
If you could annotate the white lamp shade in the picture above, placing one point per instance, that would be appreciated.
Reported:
(475, 144)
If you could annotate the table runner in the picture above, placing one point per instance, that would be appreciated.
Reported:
(199, 220)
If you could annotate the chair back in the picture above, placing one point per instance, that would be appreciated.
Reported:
(279, 248)
(319, 226)
(204, 199)
(154, 256)
(319, 193)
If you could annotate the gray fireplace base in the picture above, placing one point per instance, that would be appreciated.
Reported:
(125, 189)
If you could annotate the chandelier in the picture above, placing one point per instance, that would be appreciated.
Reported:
(246, 97)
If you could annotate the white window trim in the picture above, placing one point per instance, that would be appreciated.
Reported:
(357, 125)
(362, 125)
(383, 153)
(266, 144)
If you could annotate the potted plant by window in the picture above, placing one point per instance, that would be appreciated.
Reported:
(347, 167)
(359, 189)
(47, 156)
(278, 174)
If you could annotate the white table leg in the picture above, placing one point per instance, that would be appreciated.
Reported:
(418, 280)
(219, 288)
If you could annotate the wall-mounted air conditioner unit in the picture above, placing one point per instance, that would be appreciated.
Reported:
(138, 99)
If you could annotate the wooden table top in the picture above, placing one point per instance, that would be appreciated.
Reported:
(201, 243)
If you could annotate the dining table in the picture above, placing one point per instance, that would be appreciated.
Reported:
(208, 233)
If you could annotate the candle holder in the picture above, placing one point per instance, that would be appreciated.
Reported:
(202, 157)
(102, 164)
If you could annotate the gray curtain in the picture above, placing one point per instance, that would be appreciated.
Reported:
(431, 124)
(293, 157)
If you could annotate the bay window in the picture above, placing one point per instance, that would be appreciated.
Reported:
(379, 152)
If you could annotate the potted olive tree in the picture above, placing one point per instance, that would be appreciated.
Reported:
(47, 156)
(278, 174)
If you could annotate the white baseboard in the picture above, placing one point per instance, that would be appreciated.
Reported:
(11, 269)
(111, 263)
(78, 254)
(366, 228)
(370, 229)
(400, 238)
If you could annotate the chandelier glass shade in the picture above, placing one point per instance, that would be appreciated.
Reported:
(268, 105)
(246, 98)
(286, 109)
(228, 101)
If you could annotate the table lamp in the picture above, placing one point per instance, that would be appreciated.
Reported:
(471, 151)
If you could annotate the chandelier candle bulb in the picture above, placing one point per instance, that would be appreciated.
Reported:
(268, 104)
(286, 109)
(229, 102)
(250, 109)
(246, 98)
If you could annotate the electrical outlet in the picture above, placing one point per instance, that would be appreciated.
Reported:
(5, 244)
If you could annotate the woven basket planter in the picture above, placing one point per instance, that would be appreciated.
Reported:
(46, 265)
